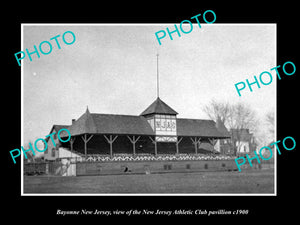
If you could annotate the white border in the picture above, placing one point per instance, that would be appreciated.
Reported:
(149, 194)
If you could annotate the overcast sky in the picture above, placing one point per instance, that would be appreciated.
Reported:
(112, 69)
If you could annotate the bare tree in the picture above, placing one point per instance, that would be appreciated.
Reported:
(270, 121)
(242, 118)
(236, 117)
(215, 110)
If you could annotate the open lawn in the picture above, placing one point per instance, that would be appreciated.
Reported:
(248, 181)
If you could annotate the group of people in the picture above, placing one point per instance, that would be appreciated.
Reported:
(150, 157)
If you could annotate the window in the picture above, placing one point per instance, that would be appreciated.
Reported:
(162, 123)
(53, 152)
(167, 167)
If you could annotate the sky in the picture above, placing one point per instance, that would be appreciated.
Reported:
(112, 69)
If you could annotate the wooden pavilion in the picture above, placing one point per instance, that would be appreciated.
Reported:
(157, 130)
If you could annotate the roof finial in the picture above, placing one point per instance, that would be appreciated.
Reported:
(157, 78)
(87, 109)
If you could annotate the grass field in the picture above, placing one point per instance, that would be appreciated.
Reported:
(248, 181)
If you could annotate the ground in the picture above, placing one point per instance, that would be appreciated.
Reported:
(247, 181)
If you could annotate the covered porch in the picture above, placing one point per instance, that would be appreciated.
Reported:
(117, 144)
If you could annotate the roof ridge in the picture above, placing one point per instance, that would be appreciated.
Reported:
(194, 119)
(63, 125)
(112, 114)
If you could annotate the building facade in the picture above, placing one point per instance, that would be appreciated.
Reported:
(156, 131)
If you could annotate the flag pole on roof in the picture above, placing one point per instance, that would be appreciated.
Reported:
(157, 78)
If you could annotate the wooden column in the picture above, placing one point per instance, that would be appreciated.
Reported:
(177, 143)
(133, 141)
(155, 145)
(212, 141)
(86, 140)
(110, 140)
(71, 144)
(196, 142)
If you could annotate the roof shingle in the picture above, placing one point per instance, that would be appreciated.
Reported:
(159, 107)
(94, 123)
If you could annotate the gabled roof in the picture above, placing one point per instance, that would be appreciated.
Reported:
(241, 134)
(221, 127)
(199, 128)
(55, 128)
(159, 107)
(122, 124)
(58, 127)
(94, 123)
(84, 125)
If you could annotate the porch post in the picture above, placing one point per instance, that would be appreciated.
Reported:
(110, 140)
(71, 144)
(133, 141)
(177, 143)
(155, 145)
(196, 142)
(86, 140)
(212, 141)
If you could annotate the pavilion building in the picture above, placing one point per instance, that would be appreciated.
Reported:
(156, 131)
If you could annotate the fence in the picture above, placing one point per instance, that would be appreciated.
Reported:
(103, 166)
(63, 167)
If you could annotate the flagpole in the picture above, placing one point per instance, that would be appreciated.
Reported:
(157, 79)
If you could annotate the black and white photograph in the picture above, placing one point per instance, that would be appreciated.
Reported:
(149, 111)
(145, 118)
